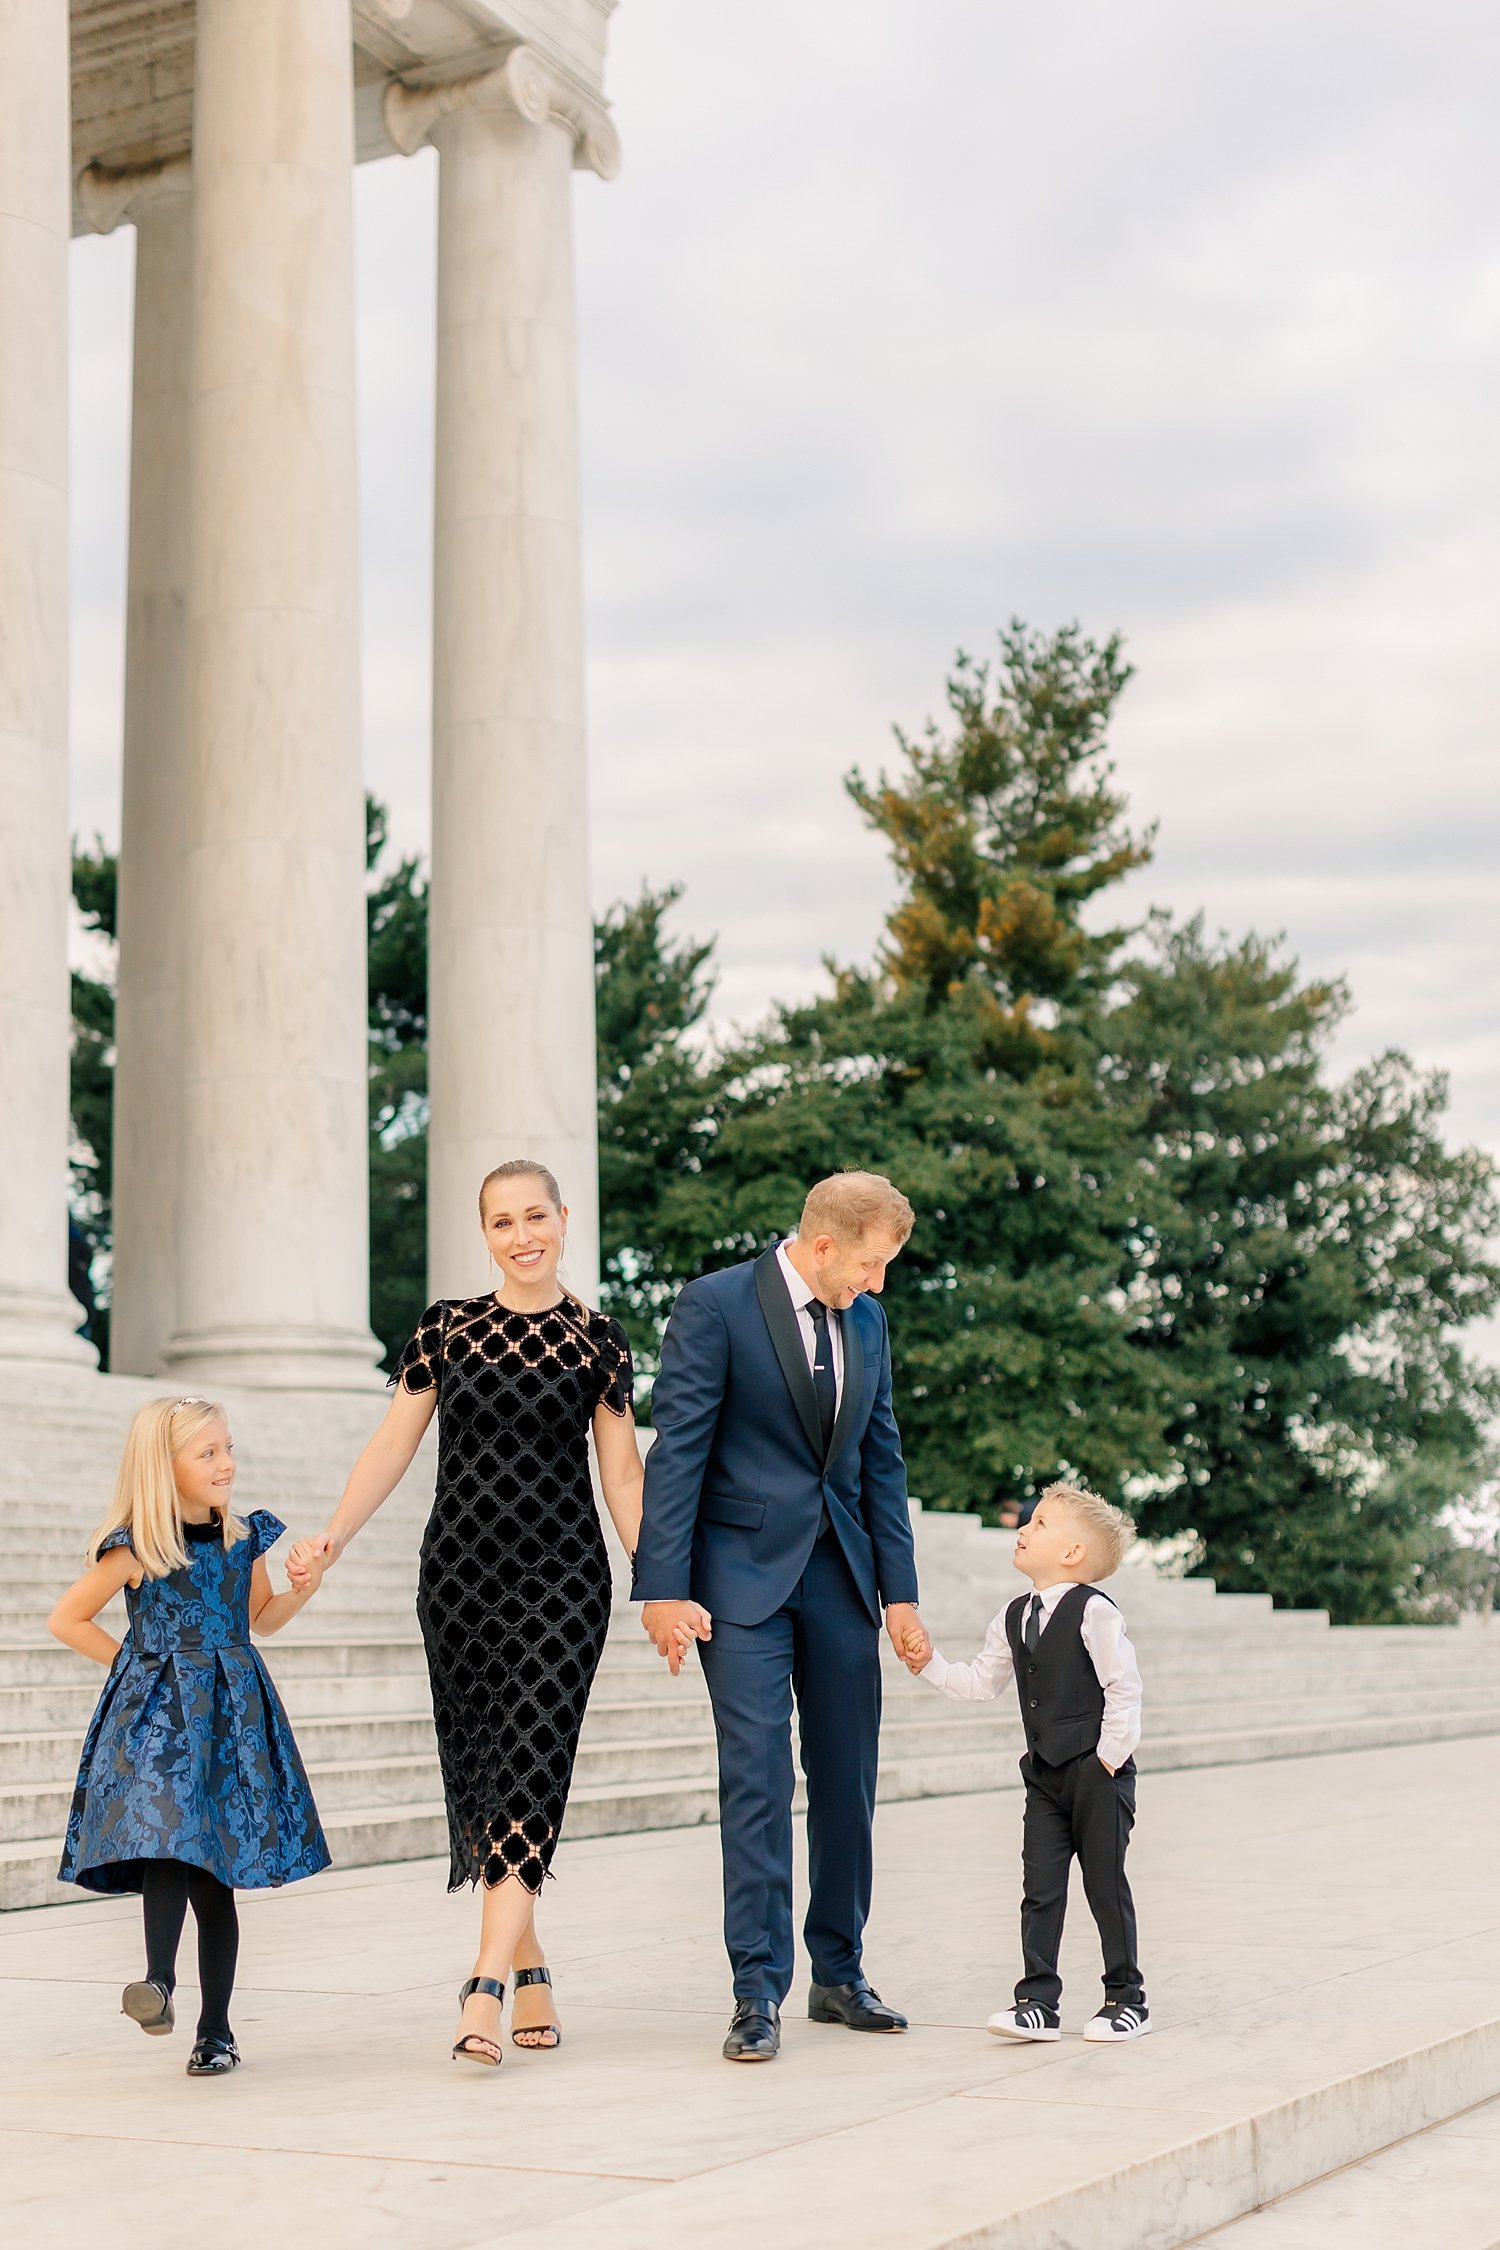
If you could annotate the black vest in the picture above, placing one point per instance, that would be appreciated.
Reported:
(1062, 1703)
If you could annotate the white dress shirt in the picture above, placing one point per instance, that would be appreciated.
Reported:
(1110, 1653)
(802, 1297)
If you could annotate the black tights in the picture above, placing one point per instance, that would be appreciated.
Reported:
(166, 1888)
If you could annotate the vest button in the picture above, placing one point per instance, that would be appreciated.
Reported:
(1034, 1704)
(1031, 1668)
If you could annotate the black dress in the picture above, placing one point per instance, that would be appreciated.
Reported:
(513, 1595)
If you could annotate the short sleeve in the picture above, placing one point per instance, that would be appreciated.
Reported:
(265, 1530)
(615, 1381)
(420, 1366)
(119, 1538)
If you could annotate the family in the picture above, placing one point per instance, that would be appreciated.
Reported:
(768, 1526)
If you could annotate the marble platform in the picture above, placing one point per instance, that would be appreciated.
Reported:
(1321, 1939)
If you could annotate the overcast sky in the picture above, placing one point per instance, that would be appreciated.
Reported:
(902, 319)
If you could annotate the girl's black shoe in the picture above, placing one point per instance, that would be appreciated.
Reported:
(150, 2005)
(211, 2057)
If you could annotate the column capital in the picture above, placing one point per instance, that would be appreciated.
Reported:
(528, 86)
(107, 195)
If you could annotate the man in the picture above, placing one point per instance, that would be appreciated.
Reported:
(776, 1526)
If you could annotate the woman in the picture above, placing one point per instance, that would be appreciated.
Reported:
(513, 1592)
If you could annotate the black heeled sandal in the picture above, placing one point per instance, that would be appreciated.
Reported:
(150, 2005)
(468, 2047)
(533, 2036)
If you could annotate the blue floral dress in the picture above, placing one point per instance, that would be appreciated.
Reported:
(190, 1755)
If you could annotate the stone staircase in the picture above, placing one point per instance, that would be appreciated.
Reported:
(1227, 1680)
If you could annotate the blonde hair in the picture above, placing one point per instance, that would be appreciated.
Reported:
(850, 1205)
(1106, 1530)
(527, 1168)
(146, 1502)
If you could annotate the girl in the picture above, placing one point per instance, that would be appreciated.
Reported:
(190, 1782)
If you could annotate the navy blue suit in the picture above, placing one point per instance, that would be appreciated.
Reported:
(739, 1486)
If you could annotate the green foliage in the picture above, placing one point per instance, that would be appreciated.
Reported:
(1156, 1245)
(91, 1071)
(655, 1089)
(396, 918)
(1315, 1249)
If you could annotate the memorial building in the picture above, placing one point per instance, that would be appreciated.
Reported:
(225, 135)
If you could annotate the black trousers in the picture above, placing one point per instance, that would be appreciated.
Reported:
(1077, 1811)
(823, 1648)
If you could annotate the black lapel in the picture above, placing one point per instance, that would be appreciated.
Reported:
(854, 1378)
(781, 1319)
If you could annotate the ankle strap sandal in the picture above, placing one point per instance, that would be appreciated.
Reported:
(541, 2038)
(473, 2046)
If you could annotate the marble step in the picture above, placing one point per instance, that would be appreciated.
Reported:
(375, 1831)
(921, 1724)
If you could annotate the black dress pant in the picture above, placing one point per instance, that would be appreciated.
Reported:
(1077, 1811)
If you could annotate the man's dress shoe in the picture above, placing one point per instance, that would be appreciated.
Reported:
(854, 2005)
(754, 2032)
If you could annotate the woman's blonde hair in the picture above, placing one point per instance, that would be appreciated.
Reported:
(146, 1502)
(528, 1168)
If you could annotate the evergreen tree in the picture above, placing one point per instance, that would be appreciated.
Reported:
(655, 1092)
(1316, 1251)
(92, 1067)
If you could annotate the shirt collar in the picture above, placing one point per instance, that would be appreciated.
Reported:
(1054, 1595)
(797, 1288)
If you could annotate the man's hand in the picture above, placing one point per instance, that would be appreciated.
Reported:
(909, 1636)
(673, 1626)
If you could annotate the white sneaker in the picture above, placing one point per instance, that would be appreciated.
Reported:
(1118, 2020)
(1031, 2022)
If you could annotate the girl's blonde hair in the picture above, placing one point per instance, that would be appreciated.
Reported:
(145, 1502)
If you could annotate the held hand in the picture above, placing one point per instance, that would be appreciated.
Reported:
(909, 1636)
(307, 1556)
(672, 1626)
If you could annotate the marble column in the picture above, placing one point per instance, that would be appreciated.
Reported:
(37, 1315)
(148, 1006)
(272, 1210)
(511, 980)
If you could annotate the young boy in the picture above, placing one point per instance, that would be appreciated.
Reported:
(1065, 1646)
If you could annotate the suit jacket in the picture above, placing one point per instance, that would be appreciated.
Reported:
(737, 1481)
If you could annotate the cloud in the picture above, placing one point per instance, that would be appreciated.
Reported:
(897, 322)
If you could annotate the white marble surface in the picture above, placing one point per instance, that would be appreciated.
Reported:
(149, 1026)
(272, 1219)
(37, 1316)
(511, 1057)
(1312, 1932)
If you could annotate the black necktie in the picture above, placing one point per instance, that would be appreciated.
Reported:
(1032, 1631)
(823, 1376)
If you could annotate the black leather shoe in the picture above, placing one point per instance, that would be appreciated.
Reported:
(754, 2032)
(856, 2006)
(211, 2057)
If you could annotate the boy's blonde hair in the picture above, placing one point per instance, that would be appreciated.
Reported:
(145, 1502)
(1106, 1530)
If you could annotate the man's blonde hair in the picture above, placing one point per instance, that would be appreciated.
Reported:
(851, 1205)
(1106, 1531)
